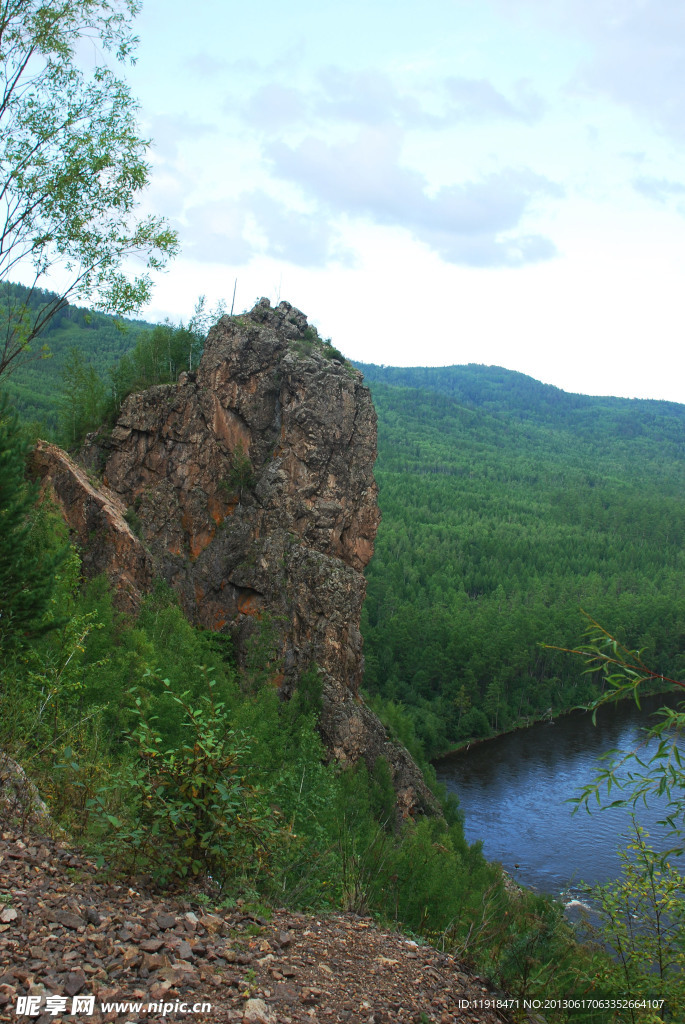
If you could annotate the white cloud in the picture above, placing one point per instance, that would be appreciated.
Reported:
(216, 233)
(659, 189)
(370, 97)
(171, 132)
(464, 223)
(305, 239)
(636, 52)
(475, 99)
(205, 65)
(274, 107)
(257, 224)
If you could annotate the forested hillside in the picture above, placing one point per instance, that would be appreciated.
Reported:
(508, 506)
(102, 340)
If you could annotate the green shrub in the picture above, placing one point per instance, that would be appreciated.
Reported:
(31, 544)
(312, 341)
(642, 919)
(331, 352)
(190, 810)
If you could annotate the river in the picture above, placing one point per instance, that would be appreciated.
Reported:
(514, 790)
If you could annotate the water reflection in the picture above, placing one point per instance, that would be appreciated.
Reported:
(513, 791)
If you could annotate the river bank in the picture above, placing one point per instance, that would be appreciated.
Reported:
(546, 719)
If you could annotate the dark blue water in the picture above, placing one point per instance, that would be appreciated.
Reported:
(514, 791)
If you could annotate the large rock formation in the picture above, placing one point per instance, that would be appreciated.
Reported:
(250, 485)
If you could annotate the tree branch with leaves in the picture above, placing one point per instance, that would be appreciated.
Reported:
(641, 914)
(644, 772)
(72, 168)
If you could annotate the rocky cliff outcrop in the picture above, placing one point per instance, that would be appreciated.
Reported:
(250, 485)
(98, 524)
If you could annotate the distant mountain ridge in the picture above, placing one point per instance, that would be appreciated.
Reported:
(500, 391)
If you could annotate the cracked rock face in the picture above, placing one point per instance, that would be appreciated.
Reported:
(251, 487)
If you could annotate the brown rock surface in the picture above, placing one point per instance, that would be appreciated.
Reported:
(96, 519)
(293, 969)
(288, 542)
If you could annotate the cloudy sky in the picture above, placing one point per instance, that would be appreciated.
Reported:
(451, 181)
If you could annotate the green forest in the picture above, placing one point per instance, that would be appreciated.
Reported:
(508, 506)
(38, 388)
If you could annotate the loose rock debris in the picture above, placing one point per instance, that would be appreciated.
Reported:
(68, 935)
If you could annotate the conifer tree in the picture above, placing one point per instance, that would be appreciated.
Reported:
(27, 570)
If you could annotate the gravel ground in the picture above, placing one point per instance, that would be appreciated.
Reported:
(72, 941)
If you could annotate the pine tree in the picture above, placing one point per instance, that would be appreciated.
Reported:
(27, 568)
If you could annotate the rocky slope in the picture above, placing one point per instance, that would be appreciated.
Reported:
(68, 933)
(251, 492)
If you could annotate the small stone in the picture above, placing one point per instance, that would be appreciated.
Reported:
(165, 921)
(7, 994)
(72, 921)
(74, 983)
(212, 922)
(310, 996)
(151, 945)
(256, 1012)
(158, 991)
(152, 961)
(285, 994)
